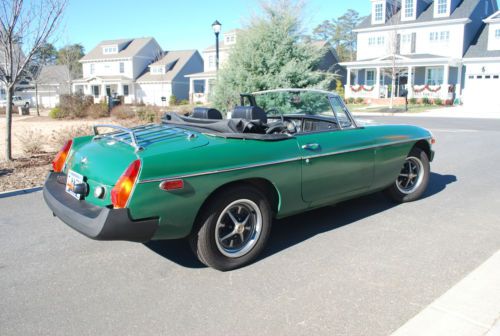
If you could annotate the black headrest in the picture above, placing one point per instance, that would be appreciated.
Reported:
(206, 113)
(249, 113)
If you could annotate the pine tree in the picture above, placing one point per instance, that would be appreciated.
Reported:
(270, 54)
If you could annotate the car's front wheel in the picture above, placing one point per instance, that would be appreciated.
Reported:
(413, 178)
(233, 228)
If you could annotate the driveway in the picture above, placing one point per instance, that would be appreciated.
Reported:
(363, 267)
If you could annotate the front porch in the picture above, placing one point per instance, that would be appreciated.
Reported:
(201, 86)
(372, 80)
(101, 88)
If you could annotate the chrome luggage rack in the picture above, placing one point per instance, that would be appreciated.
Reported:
(141, 136)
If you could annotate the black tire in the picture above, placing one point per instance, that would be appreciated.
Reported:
(397, 192)
(214, 221)
(27, 105)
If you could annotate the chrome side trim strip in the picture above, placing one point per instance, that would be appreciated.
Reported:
(364, 147)
(270, 163)
(161, 179)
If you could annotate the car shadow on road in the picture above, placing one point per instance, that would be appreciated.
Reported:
(293, 230)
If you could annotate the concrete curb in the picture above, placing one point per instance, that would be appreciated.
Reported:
(470, 308)
(16, 192)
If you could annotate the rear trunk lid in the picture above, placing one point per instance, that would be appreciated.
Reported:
(102, 160)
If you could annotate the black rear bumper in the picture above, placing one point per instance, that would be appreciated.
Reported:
(95, 222)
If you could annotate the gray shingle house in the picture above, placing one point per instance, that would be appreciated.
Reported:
(425, 44)
(138, 70)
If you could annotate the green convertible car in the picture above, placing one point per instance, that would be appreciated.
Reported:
(221, 182)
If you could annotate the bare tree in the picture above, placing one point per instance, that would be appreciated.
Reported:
(25, 27)
(69, 56)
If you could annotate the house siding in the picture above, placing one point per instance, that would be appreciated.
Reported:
(180, 84)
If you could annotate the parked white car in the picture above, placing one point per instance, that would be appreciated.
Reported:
(16, 101)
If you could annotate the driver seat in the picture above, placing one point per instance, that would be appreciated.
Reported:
(250, 113)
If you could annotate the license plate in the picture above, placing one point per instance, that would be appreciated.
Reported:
(72, 180)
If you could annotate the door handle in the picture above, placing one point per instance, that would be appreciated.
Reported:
(311, 146)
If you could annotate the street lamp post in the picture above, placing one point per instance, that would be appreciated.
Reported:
(216, 27)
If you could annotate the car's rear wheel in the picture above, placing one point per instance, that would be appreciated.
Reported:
(233, 228)
(413, 178)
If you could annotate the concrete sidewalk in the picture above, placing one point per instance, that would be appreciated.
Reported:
(470, 308)
(445, 112)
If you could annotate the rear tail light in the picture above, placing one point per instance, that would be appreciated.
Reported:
(60, 159)
(123, 188)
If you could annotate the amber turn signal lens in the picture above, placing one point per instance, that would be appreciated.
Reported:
(60, 159)
(123, 188)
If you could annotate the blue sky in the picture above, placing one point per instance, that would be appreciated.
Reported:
(176, 24)
(179, 24)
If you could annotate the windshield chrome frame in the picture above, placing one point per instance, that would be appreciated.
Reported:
(329, 95)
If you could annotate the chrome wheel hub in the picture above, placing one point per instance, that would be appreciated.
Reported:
(411, 175)
(238, 228)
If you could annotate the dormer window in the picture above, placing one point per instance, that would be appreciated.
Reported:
(442, 7)
(378, 12)
(409, 8)
(109, 49)
(497, 34)
(158, 69)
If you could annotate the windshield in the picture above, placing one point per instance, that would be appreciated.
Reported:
(294, 102)
(303, 102)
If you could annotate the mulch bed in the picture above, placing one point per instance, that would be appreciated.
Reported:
(25, 172)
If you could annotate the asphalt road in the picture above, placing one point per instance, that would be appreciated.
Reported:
(363, 267)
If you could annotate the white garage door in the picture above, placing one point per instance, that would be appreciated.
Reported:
(483, 92)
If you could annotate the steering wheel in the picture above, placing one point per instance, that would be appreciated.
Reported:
(274, 110)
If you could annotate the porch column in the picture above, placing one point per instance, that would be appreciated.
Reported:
(458, 87)
(119, 89)
(191, 89)
(410, 82)
(103, 91)
(377, 83)
(207, 89)
(446, 76)
(347, 88)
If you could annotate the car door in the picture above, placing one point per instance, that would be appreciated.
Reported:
(338, 161)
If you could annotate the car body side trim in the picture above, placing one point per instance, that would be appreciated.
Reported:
(217, 171)
(225, 170)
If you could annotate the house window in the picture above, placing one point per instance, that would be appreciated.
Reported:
(211, 63)
(122, 67)
(109, 50)
(444, 36)
(405, 38)
(95, 90)
(434, 76)
(380, 40)
(379, 11)
(409, 8)
(125, 90)
(370, 77)
(371, 40)
(92, 68)
(442, 6)
(497, 34)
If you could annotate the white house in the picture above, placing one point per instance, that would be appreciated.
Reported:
(202, 83)
(166, 77)
(422, 42)
(123, 68)
(52, 81)
(482, 63)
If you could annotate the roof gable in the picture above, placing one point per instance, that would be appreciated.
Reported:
(463, 10)
(127, 48)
